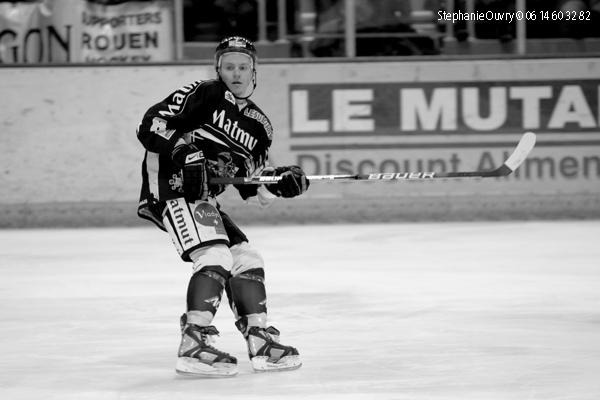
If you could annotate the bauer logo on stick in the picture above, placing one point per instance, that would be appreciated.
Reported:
(402, 175)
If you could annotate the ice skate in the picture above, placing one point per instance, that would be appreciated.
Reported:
(267, 354)
(197, 357)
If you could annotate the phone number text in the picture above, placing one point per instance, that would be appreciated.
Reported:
(515, 16)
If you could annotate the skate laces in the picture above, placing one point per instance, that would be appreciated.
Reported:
(265, 342)
(206, 336)
(209, 335)
(208, 340)
(272, 334)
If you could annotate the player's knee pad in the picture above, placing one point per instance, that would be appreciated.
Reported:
(245, 258)
(205, 289)
(247, 293)
(218, 254)
(193, 225)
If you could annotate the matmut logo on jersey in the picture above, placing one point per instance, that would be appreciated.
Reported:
(232, 130)
(178, 98)
(444, 107)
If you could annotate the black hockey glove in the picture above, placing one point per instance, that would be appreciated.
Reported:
(293, 181)
(181, 151)
(222, 167)
(194, 176)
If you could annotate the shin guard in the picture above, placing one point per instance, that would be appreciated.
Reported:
(204, 293)
(248, 298)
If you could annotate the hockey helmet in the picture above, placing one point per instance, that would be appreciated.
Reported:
(235, 44)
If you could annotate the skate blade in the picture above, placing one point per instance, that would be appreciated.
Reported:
(287, 363)
(191, 367)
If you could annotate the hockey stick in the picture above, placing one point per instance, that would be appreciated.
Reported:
(513, 162)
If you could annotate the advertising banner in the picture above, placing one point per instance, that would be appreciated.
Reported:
(136, 31)
(22, 38)
(64, 31)
(447, 126)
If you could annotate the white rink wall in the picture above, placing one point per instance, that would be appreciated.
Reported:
(71, 158)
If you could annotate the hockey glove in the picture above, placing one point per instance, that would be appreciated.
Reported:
(181, 151)
(293, 181)
(195, 179)
(223, 166)
(193, 167)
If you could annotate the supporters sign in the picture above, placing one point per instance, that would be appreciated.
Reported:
(128, 32)
(84, 31)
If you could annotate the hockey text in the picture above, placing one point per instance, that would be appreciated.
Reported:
(120, 41)
(233, 131)
(261, 119)
(36, 45)
(402, 176)
(430, 108)
(180, 223)
(178, 100)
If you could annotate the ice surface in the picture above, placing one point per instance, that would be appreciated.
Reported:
(502, 310)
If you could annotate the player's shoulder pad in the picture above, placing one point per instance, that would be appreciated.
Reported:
(216, 90)
(212, 84)
(212, 87)
(254, 112)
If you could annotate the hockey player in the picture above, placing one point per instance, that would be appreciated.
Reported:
(202, 130)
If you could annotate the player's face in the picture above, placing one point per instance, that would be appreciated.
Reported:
(236, 72)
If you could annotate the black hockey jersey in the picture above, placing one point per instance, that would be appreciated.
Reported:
(204, 113)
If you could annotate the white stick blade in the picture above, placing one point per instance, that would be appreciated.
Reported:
(521, 151)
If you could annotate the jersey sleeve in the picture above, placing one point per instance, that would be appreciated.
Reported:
(165, 123)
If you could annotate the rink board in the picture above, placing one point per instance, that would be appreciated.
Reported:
(72, 156)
